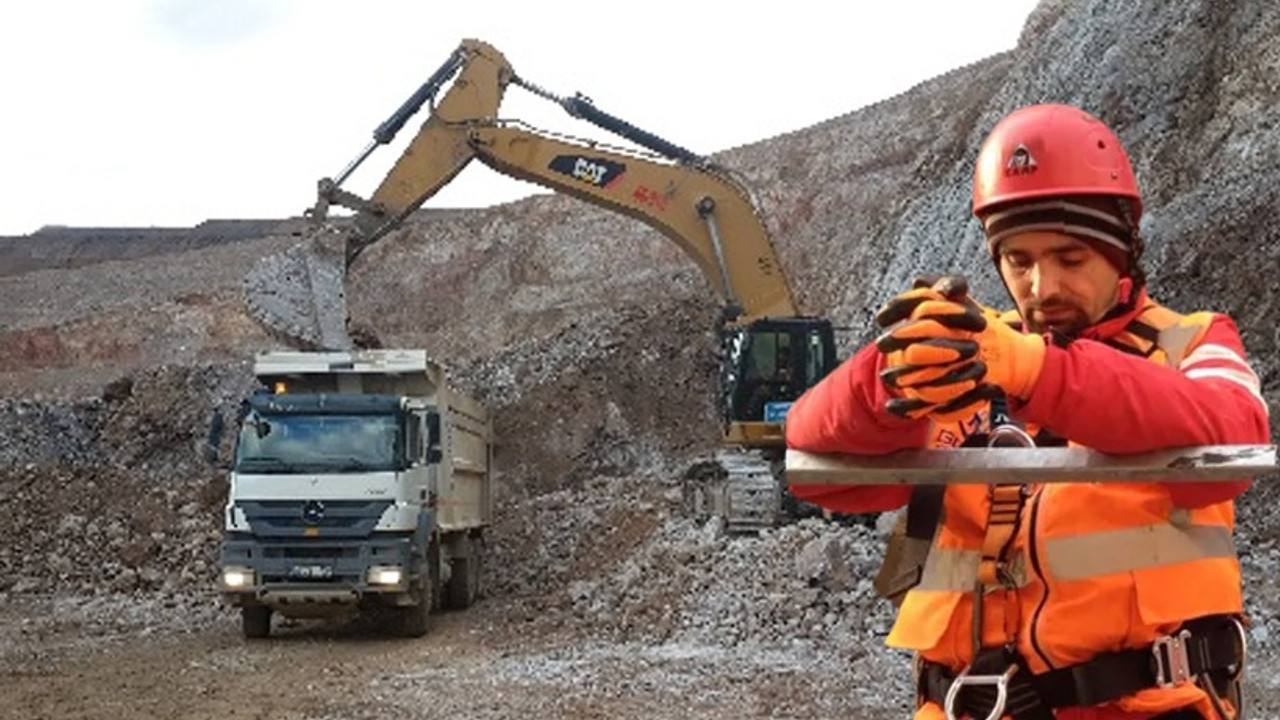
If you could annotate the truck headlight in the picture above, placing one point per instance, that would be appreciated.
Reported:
(385, 575)
(235, 577)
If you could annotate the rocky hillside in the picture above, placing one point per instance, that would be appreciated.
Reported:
(73, 247)
(588, 333)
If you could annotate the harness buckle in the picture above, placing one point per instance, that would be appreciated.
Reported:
(1173, 666)
(1001, 682)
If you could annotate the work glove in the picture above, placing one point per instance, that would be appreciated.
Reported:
(930, 289)
(922, 353)
(1012, 360)
(931, 365)
(925, 353)
(948, 398)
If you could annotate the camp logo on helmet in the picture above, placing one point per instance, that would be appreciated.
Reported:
(1020, 162)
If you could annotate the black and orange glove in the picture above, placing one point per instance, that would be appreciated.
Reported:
(930, 363)
(1012, 359)
(925, 288)
(919, 353)
(944, 399)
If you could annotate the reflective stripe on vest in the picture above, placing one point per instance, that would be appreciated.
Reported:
(1137, 548)
(955, 569)
(1240, 373)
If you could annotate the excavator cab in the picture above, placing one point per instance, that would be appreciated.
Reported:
(768, 364)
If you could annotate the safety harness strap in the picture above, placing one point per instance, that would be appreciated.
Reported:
(1208, 646)
(1002, 526)
(924, 510)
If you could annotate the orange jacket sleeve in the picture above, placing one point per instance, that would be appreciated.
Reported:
(844, 414)
(1118, 403)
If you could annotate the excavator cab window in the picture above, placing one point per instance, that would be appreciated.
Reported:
(773, 362)
(819, 356)
(770, 357)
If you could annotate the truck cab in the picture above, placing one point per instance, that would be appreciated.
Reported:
(358, 483)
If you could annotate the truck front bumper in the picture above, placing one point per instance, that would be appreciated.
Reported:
(295, 574)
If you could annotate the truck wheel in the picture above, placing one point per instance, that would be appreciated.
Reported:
(413, 620)
(464, 581)
(255, 621)
(477, 572)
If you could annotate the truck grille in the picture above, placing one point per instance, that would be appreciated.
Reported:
(309, 518)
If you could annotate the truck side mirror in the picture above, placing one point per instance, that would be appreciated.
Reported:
(434, 453)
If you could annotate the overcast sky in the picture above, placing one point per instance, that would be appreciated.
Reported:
(170, 112)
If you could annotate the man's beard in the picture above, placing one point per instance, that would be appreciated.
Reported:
(1061, 317)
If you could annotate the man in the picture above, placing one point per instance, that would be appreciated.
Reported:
(1098, 601)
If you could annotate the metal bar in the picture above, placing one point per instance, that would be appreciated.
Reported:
(350, 168)
(1031, 465)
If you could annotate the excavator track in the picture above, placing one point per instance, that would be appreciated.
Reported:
(739, 486)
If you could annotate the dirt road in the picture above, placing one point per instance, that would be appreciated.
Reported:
(109, 659)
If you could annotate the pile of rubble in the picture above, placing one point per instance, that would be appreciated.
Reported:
(115, 500)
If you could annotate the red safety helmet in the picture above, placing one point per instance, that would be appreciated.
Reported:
(1049, 151)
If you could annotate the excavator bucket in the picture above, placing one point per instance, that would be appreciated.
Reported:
(299, 295)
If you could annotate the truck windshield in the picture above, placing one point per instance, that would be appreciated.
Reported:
(317, 443)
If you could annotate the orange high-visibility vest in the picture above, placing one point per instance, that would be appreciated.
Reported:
(1093, 567)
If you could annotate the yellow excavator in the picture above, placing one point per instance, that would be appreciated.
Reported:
(771, 352)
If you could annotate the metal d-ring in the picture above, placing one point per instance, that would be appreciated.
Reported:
(1010, 432)
(1238, 673)
(1001, 682)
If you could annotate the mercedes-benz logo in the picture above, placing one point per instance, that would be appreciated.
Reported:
(313, 512)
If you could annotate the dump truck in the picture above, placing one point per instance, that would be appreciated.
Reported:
(360, 483)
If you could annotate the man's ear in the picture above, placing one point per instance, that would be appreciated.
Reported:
(1124, 291)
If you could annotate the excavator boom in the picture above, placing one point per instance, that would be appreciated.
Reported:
(687, 198)
(705, 212)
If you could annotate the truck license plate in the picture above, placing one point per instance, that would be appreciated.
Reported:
(311, 572)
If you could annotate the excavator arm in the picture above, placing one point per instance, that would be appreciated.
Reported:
(441, 149)
(697, 205)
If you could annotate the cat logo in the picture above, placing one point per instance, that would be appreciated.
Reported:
(599, 172)
(1020, 162)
